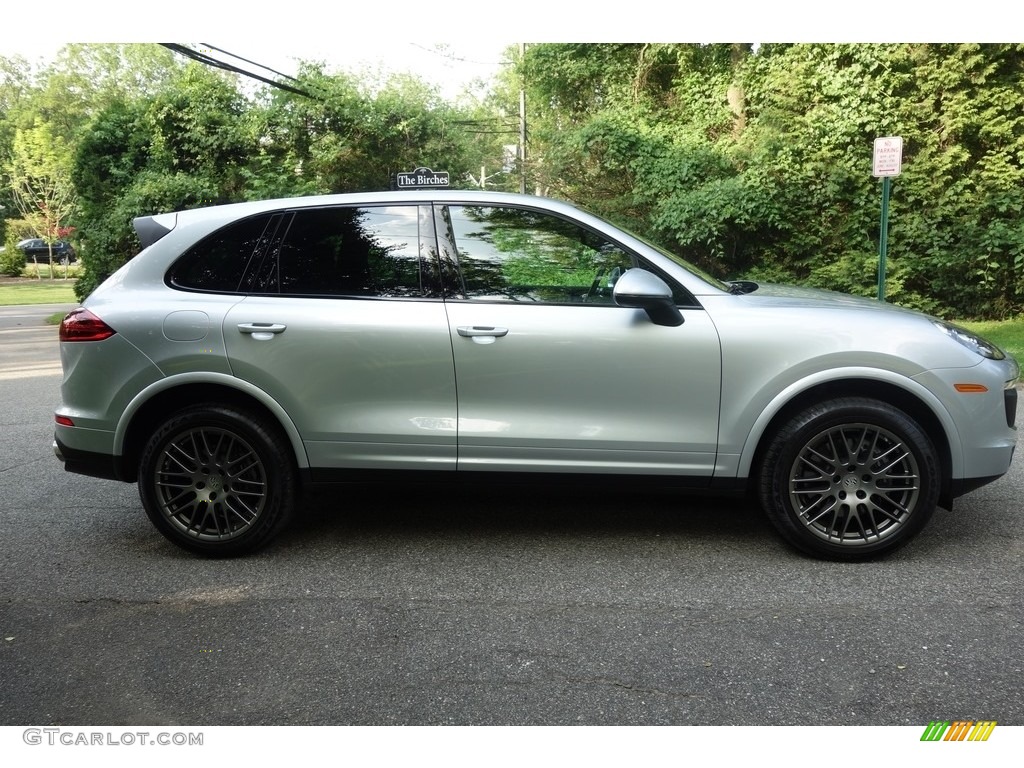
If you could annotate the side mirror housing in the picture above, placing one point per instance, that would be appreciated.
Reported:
(644, 290)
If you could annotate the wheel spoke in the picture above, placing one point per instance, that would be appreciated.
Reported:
(893, 464)
(815, 467)
(857, 452)
(829, 460)
(178, 455)
(173, 500)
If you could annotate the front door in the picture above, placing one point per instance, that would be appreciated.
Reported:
(551, 375)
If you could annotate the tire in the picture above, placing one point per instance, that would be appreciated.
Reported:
(218, 480)
(849, 479)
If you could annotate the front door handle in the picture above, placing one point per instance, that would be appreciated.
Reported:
(469, 331)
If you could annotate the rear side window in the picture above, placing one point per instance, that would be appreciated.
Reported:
(372, 251)
(218, 262)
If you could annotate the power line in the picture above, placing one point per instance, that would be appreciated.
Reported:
(209, 61)
(249, 61)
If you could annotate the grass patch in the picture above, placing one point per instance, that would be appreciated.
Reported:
(37, 292)
(1008, 334)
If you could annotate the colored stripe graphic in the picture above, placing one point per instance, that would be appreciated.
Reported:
(982, 730)
(958, 730)
(935, 730)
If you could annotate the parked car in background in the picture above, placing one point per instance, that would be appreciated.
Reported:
(37, 250)
(251, 349)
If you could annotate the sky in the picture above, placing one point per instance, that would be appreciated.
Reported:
(453, 66)
(450, 51)
(453, 42)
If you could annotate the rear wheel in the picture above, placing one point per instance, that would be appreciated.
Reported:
(218, 480)
(850, 479)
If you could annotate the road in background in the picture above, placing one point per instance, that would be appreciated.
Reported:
(28, 346)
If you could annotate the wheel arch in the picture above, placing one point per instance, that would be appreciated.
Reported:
(154, 403)
(920, 406)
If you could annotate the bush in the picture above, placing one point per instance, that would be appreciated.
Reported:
(12, 260)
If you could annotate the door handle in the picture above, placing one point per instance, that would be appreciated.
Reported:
(469, 331)
(262, 331)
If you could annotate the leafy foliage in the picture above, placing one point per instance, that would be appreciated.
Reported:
(751, 162)
(757, 164)
(179, 149)
(40, 184)
(12, 260)
(200, 142)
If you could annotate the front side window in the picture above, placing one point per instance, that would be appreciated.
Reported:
(518, 254)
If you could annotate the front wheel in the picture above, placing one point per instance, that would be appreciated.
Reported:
(849, 479)
(217, 480)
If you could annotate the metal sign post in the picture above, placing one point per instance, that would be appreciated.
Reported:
(887, 162)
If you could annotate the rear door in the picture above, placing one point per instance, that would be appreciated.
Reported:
(345, 327)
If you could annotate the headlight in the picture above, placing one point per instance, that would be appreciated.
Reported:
(971, 340)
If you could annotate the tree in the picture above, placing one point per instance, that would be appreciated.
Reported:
(84, 79)
(352, 136)
(41, 185)
(184, 147)
(756, 163)
(15, 81)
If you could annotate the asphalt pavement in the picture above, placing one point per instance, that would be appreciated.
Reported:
(502, 605)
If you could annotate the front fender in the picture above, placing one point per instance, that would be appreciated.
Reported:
(842, 381)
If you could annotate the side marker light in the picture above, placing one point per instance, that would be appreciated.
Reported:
(970, 388)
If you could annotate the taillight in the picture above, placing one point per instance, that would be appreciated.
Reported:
(82, 325)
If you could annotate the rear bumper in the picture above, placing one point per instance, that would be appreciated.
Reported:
(91, 464)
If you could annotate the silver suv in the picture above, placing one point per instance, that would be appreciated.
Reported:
(252, 350)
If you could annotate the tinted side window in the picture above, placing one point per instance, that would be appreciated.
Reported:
(342, 251)
(218, 262)
(516, 254)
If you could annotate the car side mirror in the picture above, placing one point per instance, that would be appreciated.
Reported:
(644, 290)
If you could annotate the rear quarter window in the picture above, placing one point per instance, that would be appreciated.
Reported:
(217, 262)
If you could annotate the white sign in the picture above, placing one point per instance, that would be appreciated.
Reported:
(888, 157)
(423, 178)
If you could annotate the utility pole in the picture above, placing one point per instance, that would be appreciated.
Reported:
(522, 118)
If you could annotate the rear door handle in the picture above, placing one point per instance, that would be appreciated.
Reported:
(469, 331)
(262, 331)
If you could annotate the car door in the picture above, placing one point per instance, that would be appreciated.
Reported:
(551, 374)
(345, 327)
